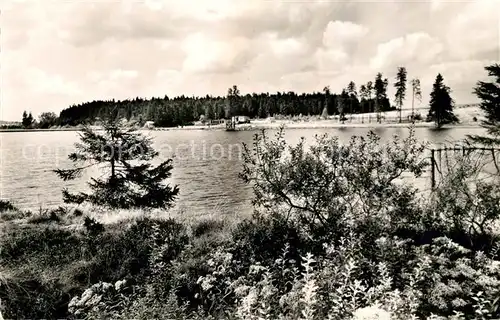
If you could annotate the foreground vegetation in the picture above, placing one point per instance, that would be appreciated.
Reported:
(335, 235)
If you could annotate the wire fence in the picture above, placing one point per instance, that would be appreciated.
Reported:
(479, 162)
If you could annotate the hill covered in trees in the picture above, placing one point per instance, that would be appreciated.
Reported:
(169, 112)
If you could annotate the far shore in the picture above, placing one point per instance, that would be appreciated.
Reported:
(469, 117)
(288, 124)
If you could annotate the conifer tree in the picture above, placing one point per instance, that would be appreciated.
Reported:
(400, 86)
(416, 94)
(27, 120)
(130, 180)
(489, 94)
(441, 104)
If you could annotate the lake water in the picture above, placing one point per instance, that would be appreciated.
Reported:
(206, 164)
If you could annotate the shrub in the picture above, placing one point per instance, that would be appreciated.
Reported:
(92, 226)
(207, 226)
(49, 245)
(32, 298)
(331, 186)
(78, 260)
(263, 239)
(6, 206)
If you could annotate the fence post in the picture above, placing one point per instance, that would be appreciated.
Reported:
(433, 181)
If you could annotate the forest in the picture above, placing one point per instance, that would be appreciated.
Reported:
(171, 112)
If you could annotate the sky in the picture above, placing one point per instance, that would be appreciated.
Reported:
(57, 53)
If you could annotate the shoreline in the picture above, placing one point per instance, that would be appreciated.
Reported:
(260, 125)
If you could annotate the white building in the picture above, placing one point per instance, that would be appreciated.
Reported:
(241, 119)
(149, 125)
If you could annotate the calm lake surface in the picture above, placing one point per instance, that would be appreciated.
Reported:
(206, 164)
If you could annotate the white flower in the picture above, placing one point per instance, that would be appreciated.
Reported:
(241, 291)
(73, 303)
(371, 313)
(120, 284)
(210, 263)
(228, 257)
(206, 284)
(87, 294)
(106, 286)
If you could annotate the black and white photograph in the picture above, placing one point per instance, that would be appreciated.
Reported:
(250, 159)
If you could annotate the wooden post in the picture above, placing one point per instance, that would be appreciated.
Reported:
(433, 181)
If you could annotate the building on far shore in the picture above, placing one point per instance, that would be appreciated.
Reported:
(241, 119)
(149, 125)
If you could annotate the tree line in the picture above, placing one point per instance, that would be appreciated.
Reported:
(179, 111)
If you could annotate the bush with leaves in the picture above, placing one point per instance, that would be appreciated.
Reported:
(331, 187)
(332, 287)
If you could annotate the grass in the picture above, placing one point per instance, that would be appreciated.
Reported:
(50, 256)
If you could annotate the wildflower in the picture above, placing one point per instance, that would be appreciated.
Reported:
(245, 308)
(381, 242)
(256, 269)
(371, 313)
(86, 296)
(242, 290)
(458, 302)
(210, 262)
(206, 284)
(119, 285)
(493, 266)
(228, 257)
(105, 286)
(267, 291)
(73, 303)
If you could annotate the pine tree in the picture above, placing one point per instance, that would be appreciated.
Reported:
(342, 101)
(369, 91)
(353, 97)
(441, 104)
(324, 113)
(489, 94)
(30, 119)
(416, 94)
(381, 101)
(27, 120)
(400, 86)
(363, 95)
(130, 180)
(351, 88)
(209, 112)
(232, 102)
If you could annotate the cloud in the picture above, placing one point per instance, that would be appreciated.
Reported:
(41, 82)
(58, 53)
(205, 55)
(417, 49)
(475, 30)
(341, 33)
